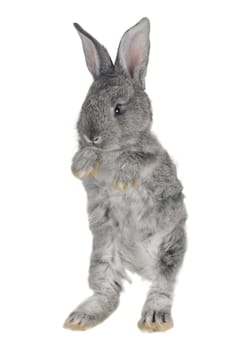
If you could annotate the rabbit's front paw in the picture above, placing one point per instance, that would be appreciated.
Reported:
(121, 182)
(127, 172)
(85, 164)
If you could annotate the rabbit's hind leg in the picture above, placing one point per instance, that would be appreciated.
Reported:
(156, 312)
(105, 279)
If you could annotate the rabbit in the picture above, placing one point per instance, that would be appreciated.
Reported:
(135, 201)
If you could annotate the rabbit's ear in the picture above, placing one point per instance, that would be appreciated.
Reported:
(133, 51)
(97, 57)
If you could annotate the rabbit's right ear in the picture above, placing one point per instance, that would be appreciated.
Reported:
(97, 57)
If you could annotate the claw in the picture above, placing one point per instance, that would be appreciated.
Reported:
(119, 186)
(77, 327)
(123, 187)
(155, 327)
(134, 183)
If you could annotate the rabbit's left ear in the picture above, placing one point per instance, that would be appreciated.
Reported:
(133, 51)
(97, 57)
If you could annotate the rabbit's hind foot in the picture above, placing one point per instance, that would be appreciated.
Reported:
(153, 321)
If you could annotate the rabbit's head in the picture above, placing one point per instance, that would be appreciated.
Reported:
(116, 111)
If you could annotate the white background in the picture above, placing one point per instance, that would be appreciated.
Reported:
(45, 241)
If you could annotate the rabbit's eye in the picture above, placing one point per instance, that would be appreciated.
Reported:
(117, 110)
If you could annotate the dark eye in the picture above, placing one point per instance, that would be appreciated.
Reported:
(117, 110)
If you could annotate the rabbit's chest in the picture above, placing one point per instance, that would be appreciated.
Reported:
(130, 208)
(127, 207)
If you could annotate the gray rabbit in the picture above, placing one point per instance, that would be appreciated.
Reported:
(135, 202)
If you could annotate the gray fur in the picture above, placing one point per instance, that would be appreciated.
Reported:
(142, 228)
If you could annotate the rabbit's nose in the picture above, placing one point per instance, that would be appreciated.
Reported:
(94, 139)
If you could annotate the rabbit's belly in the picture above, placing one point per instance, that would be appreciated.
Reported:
(140, 256)
(138, 235)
